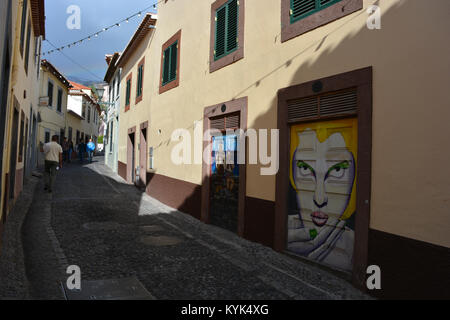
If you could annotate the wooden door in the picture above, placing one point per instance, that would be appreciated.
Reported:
(322, 191)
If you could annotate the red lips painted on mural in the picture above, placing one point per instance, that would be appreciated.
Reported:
(319, 218)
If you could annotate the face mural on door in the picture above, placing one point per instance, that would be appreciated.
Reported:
(322, 198)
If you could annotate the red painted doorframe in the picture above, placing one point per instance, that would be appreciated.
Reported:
(361, 80)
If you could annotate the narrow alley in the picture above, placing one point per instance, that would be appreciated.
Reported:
(96, 221)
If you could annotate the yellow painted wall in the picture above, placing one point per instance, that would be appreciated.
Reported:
(24, 86)
(5, 151)
(411, 64)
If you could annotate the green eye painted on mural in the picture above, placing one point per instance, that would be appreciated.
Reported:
(304, 166)
(338, 169)
(313, 233)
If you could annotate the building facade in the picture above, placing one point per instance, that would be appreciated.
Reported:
(22, 32)
(332, 94)
(135, 104)
(54, 91)
(112, 115)
(83, 114)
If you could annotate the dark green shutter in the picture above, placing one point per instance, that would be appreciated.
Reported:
(22, 28)
(221, 31)
(50, 94)
(232, 28)
(59, 104)
(170, 63)
(127, 97)
(302, 8)
(27, 50)
(138, 81)
(227, 29)
(166, 65)
(173, 61)
(139, 84)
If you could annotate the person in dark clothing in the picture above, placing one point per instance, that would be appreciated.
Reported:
(81, 150)
(70, 151)
(65, 147)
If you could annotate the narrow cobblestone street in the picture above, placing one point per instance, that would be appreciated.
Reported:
(111, 231)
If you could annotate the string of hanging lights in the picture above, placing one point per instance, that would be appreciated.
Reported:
(96, 34)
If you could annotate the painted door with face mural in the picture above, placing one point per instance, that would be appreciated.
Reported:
(322, 191)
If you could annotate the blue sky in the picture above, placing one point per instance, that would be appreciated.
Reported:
(95, 14)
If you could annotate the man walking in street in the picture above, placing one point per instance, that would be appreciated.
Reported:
(53, 158)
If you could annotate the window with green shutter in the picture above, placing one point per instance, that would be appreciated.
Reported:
(170, 61)
(23, 25)
(139, 81)
(128, 93)
(302, 8)
(227, 25)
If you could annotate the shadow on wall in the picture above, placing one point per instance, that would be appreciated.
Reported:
(405, 273)
(410, 268)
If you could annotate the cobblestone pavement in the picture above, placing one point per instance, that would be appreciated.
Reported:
(110, 230)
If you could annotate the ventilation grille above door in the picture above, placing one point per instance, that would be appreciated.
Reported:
(231, 121)
(330, 104)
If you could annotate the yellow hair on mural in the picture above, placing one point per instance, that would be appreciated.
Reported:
(348, 128)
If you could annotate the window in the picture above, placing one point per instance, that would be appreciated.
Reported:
(59, 103)
(227, 18)
(301, 16)
(302, 8)
(22, 28)
(140, 81)
(227, 33)
(47, 136)
(27, 50)
(38, 56)
(36, 46)
(170, 63)
(83, 113)
(128, 93)
(50, 93)
(89, 115)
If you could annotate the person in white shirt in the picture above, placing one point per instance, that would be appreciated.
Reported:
(53, 158)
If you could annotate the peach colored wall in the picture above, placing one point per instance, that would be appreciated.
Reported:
(411, 62)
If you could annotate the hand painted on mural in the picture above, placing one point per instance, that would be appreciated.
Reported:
(323, 175)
